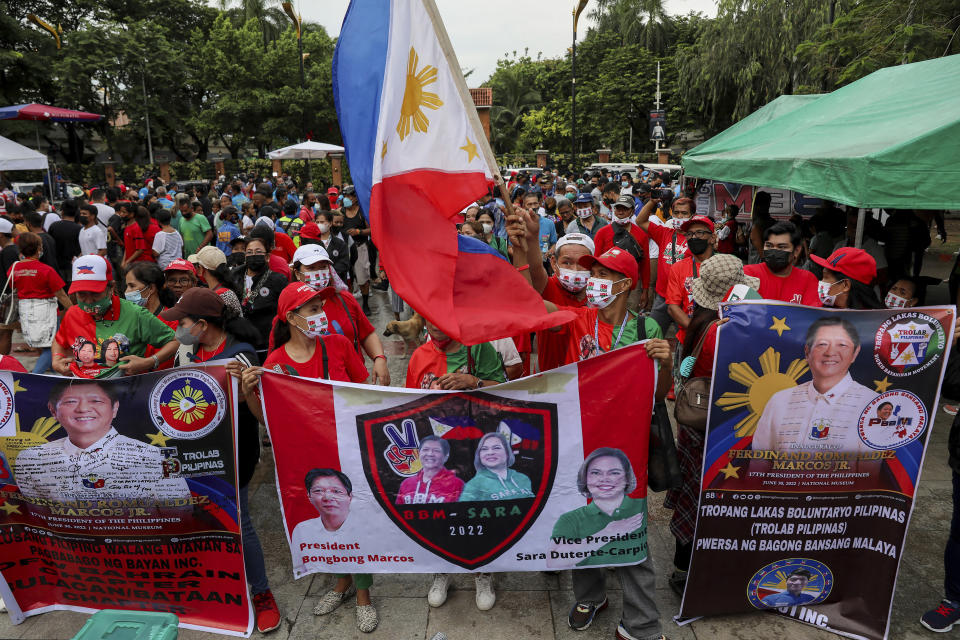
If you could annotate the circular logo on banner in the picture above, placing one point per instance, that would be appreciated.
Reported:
(187, 404)
(908, 343)
(6, 405)
(891, 420)
(790, 582)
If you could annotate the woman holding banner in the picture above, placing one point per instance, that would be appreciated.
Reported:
(208, 330)
(717, 276)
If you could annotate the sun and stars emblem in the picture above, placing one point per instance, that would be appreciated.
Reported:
(188, 404)
(416, 98)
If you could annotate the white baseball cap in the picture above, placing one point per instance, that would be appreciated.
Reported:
(91, 273)
(6, 226)
(310, 254)
(581, 239)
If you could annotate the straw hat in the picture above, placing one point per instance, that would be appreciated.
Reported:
(717, 275)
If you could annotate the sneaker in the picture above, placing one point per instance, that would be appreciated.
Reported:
(950, 409)
(943, 617)
(622, 634)
(582, 614)
(331, 600)
(678, 581)
(438, 590)
(485, 595)
(367, 618)
(267, 612)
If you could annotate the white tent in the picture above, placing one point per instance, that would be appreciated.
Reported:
(16, 157)
(308, 150)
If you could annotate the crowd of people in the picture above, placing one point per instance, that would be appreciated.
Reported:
(125, 281)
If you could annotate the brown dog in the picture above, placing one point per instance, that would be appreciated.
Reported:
(410, 330)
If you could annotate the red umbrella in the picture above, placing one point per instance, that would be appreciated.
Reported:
(36, 111)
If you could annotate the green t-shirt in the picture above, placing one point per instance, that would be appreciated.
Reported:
(193, 230)
(486, 362)
(628, 548)
(500, 245)
(630, 331)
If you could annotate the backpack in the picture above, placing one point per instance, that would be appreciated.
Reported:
(623, 239)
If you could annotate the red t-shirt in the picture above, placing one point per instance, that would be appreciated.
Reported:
(9, 363)
(134, 238)
(679, 291)
(343, 363)
(284, 247)
(673, 247)
(336, 313)
(278, 265)
(729, 244)
(552, 343)
(604, 240)
(579, 334)
(33, 279)
(704, 365)
(151, 350)
(799, 287)
(306, 214)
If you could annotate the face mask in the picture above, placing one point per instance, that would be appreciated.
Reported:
(136, 297)
(893, 301)
(184, 336)
(316, 325)
(823, 290)
(188, 214)
(570, 196)
(316, 279)
(675, 222)
(584, 213)
(487, 227)
(235, 259)
(777, 259)
(442, 344)
(323, 227)
(698, 245)
(624, 184)
(83, 220)
(599, 293)
(617, 220)
(98, 307)
(256, 263)
(573, 281)
(347, 203)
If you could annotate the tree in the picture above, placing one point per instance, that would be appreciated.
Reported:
(267, 13)
(513, 96)
(643, 22)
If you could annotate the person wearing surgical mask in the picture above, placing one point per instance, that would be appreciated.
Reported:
(327, 237)
(588, 221)
(623, 233)
(261, 288)
(780, 278)
(485, 219)
(671, 247)
(701, 242)
(905, 293)
(847, 282)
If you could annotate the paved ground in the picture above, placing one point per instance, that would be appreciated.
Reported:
(534, 605)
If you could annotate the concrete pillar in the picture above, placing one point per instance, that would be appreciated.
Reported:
(541, 157)
(165, 171)
(663, 156)
(485, 121)
(109, 174)
(277, 167)
(336, 170)
(603, 155)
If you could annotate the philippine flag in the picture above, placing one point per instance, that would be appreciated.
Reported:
(417, 156)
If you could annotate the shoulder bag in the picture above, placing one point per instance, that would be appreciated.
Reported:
(663, 466)
(693, 394)
(9, 305)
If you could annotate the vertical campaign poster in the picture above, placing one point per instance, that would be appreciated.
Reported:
(818, 426)
(122, 494)
(544, 473)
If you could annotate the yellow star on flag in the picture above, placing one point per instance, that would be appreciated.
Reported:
(471, 150)
(881, 386)
(10, 508)
(779, 325)
(158, 439)
(730, 471)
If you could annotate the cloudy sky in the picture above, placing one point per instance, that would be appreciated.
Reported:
(482, 32)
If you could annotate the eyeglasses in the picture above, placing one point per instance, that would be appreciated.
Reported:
(183, 280)
(699, 234)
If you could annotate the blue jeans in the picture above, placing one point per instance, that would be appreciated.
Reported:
(44, 362)
(252, 551)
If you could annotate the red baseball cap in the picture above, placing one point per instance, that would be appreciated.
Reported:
(615, 259)
(295, 295)
(697, 220)
(310, 231)
(332, 190)
(91, 273)
(181, 265)
(851, 262)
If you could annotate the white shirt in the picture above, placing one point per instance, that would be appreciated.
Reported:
(115, 466)
(169, 244)
(104, 212)
(800, 418)
(48, 219)
(507, 350)
(92, 239)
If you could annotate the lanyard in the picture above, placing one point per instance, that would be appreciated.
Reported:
(596, 328)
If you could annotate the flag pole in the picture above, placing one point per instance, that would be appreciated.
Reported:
(471, 109)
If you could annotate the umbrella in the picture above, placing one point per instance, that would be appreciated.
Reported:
(46, 113)
(34, 111)
(308, 150)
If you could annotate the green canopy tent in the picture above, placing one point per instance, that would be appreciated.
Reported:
(889, 140)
